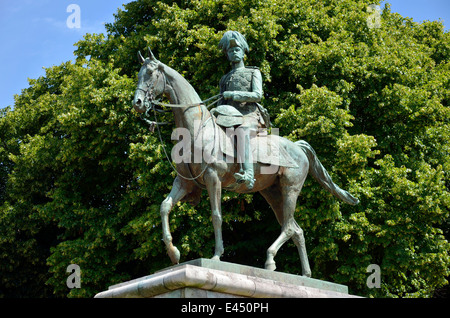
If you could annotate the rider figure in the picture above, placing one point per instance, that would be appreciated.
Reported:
(241, 90)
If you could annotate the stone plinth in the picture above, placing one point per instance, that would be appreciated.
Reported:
(204, 278)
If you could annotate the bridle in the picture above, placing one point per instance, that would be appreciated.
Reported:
(149, 96)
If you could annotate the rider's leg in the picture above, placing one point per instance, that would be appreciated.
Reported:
(244, 154)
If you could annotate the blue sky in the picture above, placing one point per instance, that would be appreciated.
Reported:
(34, 33)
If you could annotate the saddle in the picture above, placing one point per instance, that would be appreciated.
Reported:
(266, 149)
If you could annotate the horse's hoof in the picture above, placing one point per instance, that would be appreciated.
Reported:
(174, 255)
(270, 266)
(215, 258)
(307, 274)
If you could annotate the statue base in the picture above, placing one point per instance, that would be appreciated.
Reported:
(205, 278)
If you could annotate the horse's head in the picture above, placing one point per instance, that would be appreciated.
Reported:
(151, 82)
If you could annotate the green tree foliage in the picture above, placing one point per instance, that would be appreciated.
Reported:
(81, 178)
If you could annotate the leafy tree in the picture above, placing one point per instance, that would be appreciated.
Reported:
(82, 178)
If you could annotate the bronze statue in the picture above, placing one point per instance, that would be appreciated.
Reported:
(290, 162)
(242, 90)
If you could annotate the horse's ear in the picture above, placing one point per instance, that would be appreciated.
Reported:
(150, 54)
(141, 58)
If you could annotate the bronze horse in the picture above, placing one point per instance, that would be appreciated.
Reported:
(280, 188)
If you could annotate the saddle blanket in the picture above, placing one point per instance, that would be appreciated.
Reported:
(266, 149)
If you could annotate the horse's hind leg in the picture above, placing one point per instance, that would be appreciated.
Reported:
(299, 241)
(286, 219)
(283, 198)
(177, 193)
(289, 230)
(273, 249)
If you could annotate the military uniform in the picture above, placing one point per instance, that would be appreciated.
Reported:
(239, 108)
(243, 111)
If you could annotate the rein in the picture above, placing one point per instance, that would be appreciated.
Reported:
(157, 103)
(218, 97)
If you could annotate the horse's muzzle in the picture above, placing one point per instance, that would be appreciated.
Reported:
(139, 106)
(139, 103)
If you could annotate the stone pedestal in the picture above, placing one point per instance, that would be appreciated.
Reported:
(205, 278)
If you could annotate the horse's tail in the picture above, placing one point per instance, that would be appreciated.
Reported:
(319, 173)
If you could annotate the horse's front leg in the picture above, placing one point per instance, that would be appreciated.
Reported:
(214, 187)
(179, 190)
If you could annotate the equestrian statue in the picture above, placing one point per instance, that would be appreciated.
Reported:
(237, 152)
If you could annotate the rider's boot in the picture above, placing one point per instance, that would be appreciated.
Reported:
(246, 174)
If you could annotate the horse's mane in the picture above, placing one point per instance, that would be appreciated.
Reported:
(183, 86)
